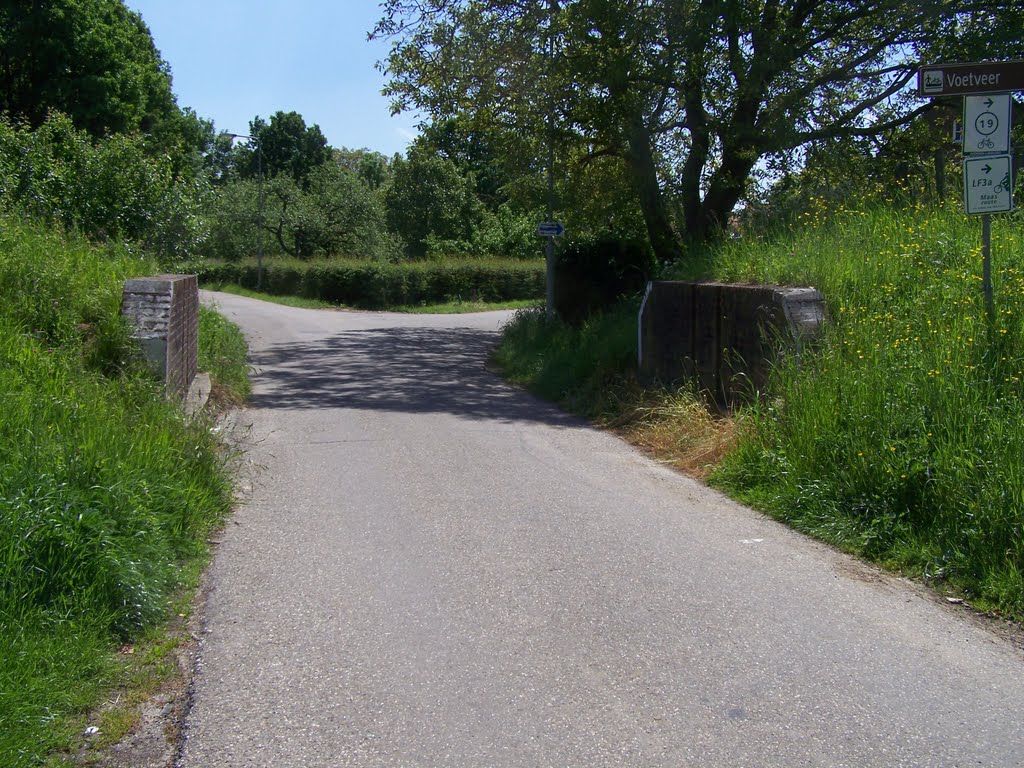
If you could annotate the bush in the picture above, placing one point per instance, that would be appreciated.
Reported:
(506, 234)
(376, 285)
(592, 275)
(570, 365)
(109, 190)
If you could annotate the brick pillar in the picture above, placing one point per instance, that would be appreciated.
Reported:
(164, 311)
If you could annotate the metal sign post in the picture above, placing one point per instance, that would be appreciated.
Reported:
(986, 268)
(988, 162)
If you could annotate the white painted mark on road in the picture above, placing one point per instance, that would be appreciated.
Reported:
(751, 541)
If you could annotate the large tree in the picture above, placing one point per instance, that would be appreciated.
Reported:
(289, 146)
(93, 60)
(428, 198)
(690, 95)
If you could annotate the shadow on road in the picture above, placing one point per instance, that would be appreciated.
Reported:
(413, 370)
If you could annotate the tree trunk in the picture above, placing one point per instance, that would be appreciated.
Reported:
(724, 192)
(643, 174)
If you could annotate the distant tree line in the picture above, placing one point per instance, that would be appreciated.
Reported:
(668, 122)
(92, 137)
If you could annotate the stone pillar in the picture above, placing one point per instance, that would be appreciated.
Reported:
(164, 312)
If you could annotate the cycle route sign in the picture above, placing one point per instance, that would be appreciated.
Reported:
(987, 185)
(987, 124)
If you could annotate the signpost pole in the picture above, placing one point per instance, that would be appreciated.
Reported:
(989, 166)
(549, 303)
(986, 267)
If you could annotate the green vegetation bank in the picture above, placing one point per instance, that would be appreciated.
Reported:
(107, 493)
(899, 437)
(663, 126)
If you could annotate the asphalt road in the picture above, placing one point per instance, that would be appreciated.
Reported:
(432, 568)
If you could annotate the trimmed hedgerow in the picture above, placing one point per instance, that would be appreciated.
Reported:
(374, 285)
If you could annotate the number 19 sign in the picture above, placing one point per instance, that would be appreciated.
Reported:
(987, 124)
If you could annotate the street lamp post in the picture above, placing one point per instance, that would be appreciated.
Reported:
(259, 203)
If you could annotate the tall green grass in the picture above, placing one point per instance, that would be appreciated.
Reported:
(105, 488)
(575, 366)
(222, 354)
(902, 436)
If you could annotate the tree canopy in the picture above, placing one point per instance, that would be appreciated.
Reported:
(689, 95)
(430, 198)
(93, 60)
(289, 147)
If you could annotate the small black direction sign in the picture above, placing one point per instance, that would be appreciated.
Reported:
(550, 229)
(962, 79)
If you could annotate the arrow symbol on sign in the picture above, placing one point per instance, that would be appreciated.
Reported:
(987, 168)
(989, 102)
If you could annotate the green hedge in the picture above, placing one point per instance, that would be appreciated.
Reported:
(375, 285)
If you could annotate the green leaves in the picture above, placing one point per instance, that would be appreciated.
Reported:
(688, 97)
(428, 197)
(110, 190)
(289, 147)
(94, 60)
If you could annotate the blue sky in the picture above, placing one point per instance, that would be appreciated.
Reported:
(235, 59)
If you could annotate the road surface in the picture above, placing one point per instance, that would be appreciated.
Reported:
(435, 569)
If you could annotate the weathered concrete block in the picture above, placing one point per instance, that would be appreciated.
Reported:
(725, 337)
(164, 311)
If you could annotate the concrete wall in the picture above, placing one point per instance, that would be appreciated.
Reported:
(164, 311)
(723, 336)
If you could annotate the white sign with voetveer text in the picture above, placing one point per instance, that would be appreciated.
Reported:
(988, 186)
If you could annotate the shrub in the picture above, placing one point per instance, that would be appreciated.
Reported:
(108, 190)
(375, 285)
(566, 364)
(592, 275)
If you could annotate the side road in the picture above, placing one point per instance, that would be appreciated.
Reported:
(433, 568)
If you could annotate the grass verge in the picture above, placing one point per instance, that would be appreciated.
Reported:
(590, 370)
(223, 354)
(463, 307)
(107, 493)
(288, 301)
(900, 438)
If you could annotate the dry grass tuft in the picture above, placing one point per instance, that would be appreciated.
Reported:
(677, 428)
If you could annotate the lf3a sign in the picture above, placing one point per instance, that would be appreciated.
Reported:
(988, 185)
